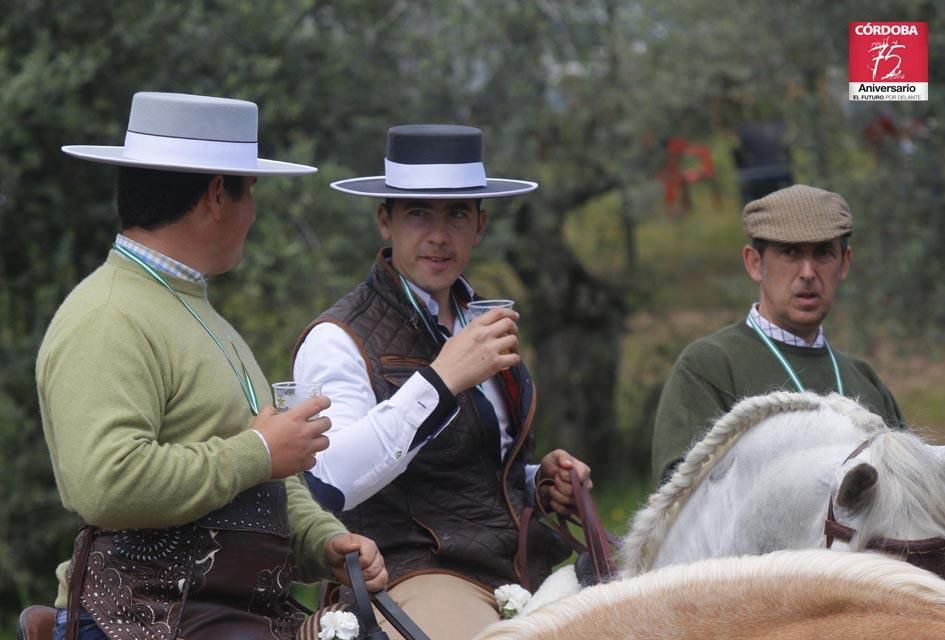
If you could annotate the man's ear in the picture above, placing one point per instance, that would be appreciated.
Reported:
(847, 259)
(215, 195)
(383, 221)
(481, 227)
(752, 260)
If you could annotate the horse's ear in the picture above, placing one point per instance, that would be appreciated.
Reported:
(857, 487)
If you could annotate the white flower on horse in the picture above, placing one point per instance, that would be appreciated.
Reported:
(338, 625)
(511, 599)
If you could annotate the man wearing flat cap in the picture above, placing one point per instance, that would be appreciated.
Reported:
(798, 255)
(432, 407)
(156, 413)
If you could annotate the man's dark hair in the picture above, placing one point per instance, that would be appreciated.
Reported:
(389, 203)
(760, 244)
(150, 199)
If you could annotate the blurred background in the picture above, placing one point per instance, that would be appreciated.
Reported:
(648, 124)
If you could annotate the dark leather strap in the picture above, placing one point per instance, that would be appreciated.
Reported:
(834, 529)
(370, 630)
(521, 556)
(76, 581)
(363, 609)
(597, 539)
(397, 617)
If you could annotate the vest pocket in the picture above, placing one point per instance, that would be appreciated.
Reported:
(396, 370)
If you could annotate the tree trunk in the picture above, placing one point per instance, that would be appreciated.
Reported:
(575, 323)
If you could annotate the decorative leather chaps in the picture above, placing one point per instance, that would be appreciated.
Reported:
(225, 576)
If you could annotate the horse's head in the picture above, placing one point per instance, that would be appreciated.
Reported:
(789, 449)
(887, 496)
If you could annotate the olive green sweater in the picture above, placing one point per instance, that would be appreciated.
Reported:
(146, 423)
(716, 371)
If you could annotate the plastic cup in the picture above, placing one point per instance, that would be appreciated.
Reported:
(478, 307)
(286, 395)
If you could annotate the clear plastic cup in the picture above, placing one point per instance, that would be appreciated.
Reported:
(478, 307)
(286, 395)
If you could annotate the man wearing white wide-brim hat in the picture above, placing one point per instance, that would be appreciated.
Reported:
(156, 413)
(431, 407)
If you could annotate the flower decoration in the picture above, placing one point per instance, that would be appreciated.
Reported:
(338, 625)
(511, 599)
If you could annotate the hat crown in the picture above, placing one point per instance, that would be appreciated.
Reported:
(434, 144)
(799, 213)
(183, 132)
(179, 115)
(434, 161)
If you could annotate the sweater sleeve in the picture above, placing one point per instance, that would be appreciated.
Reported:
(104, 393)
(311, 528)
(690, 400)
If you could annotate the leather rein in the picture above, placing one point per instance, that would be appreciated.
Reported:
(927, 553)
(596, 562)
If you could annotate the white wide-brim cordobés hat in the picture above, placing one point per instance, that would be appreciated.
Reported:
(197, 134)
(434, 161)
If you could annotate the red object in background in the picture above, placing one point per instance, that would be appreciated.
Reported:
(882, 126)
(676, 179)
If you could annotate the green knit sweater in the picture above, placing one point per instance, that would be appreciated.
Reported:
(145, 420)
(714, 372)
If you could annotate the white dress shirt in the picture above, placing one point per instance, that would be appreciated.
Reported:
(370, 441)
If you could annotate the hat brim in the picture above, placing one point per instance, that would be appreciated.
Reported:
(114, 155)
(375, 187)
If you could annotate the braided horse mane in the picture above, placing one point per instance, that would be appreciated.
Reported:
(650, 524)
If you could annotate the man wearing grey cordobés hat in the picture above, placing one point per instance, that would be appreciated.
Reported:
(156, 413)
(798, 254)
(431, 407)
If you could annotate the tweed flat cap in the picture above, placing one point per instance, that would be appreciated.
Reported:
(798, 214)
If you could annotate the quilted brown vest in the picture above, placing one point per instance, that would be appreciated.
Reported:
(457, 506)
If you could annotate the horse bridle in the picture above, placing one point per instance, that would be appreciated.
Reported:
(927, 553)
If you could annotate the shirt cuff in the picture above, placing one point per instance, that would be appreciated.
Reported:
(265, 444)
(446, 409)
(531, 474)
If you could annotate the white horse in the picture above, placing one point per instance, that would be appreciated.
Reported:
(802, 595)
(764, 477)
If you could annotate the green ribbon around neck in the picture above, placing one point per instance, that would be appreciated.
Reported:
(787, 365)
(246, 382)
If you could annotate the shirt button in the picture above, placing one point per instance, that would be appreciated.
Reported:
(398, 454)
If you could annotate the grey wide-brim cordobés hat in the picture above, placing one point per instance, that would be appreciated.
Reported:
(434, 162)
(190, 133)
(796, 214)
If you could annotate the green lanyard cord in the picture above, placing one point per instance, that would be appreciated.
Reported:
(423, 316)
(436, 335)
(787, 365)
(246, 383)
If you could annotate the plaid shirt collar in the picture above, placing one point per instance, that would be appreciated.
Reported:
(775, 332)
(159, 261)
